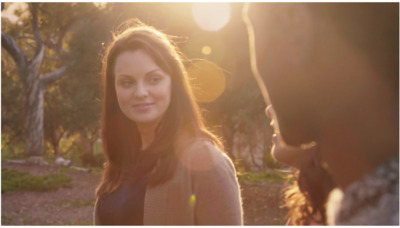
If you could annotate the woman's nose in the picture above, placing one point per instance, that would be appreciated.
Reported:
(141, 91)
(269, 111)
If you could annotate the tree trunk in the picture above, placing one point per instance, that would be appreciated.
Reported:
(86, 142)
(34, 119)
(34, 85)
(55, 142)
(87, 147)
(57, 150)
(251, 140)
(55, 138)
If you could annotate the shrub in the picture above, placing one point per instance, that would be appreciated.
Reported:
(14, 151)
(270, 162)
(13, 180)
(95, 160)
(270, 176)
(7, 219)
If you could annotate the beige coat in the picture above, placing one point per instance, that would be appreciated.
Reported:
(203, 191)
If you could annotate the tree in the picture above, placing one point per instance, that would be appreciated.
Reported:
(245, 126)
(49, 26)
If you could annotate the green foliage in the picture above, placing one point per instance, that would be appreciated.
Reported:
(13, 180)
(73, 102)
(77, 154)
(97, 148)
(12, 102)
(14, 151)
(239, 165)
(270, 162)
(97, 170)
(7, 219)
(271, 176)
(96, 160)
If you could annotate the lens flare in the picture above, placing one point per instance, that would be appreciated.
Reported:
(207, 80)
(206, 50)
(192, 200)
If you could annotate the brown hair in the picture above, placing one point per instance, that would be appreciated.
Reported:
(307, 196)
(304, 102)
(120, 137)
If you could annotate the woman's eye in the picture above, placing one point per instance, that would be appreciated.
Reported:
(155, 79)
(126, 83)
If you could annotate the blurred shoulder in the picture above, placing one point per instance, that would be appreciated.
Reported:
(203, 154)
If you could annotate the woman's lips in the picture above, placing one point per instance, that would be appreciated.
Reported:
(143, 107)
(274, 138)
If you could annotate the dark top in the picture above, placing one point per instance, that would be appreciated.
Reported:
(124, 206)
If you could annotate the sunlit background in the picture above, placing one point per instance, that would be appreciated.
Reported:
(208, 78)
(211, 35)
(10, 11)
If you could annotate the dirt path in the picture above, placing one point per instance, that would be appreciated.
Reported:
(74, 206)
(261, 204)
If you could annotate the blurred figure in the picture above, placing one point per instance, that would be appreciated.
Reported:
(163, 167)
(332, 75)
(306, 197)
(289, 155)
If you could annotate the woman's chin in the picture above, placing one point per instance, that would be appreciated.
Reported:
(145, 120)
(275, 152)
(284, 155)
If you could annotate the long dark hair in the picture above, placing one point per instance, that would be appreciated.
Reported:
(120, 137)
(307, 196)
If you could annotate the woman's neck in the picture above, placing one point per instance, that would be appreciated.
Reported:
(147, 133)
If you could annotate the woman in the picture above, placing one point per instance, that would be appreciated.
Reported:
(162, 165)
(343, 95)
(307, 196)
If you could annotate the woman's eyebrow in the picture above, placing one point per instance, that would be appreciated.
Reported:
(124, 75)
(153, 71)
(148, 73)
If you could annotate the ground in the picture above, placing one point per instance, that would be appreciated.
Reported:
(74, 206)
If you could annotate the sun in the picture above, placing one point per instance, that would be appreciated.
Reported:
(211, 16)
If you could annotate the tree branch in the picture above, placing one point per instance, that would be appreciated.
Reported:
(16, 53)
(35, 26)
(37, 60)
(58, 44)
(53, 76)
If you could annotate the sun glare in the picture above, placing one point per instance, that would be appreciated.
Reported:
(100, 5)
(211, 16)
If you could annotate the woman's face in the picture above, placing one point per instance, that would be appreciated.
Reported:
(143, 88)
(280, 150)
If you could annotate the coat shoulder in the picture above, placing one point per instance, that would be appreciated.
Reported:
(202, 154)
